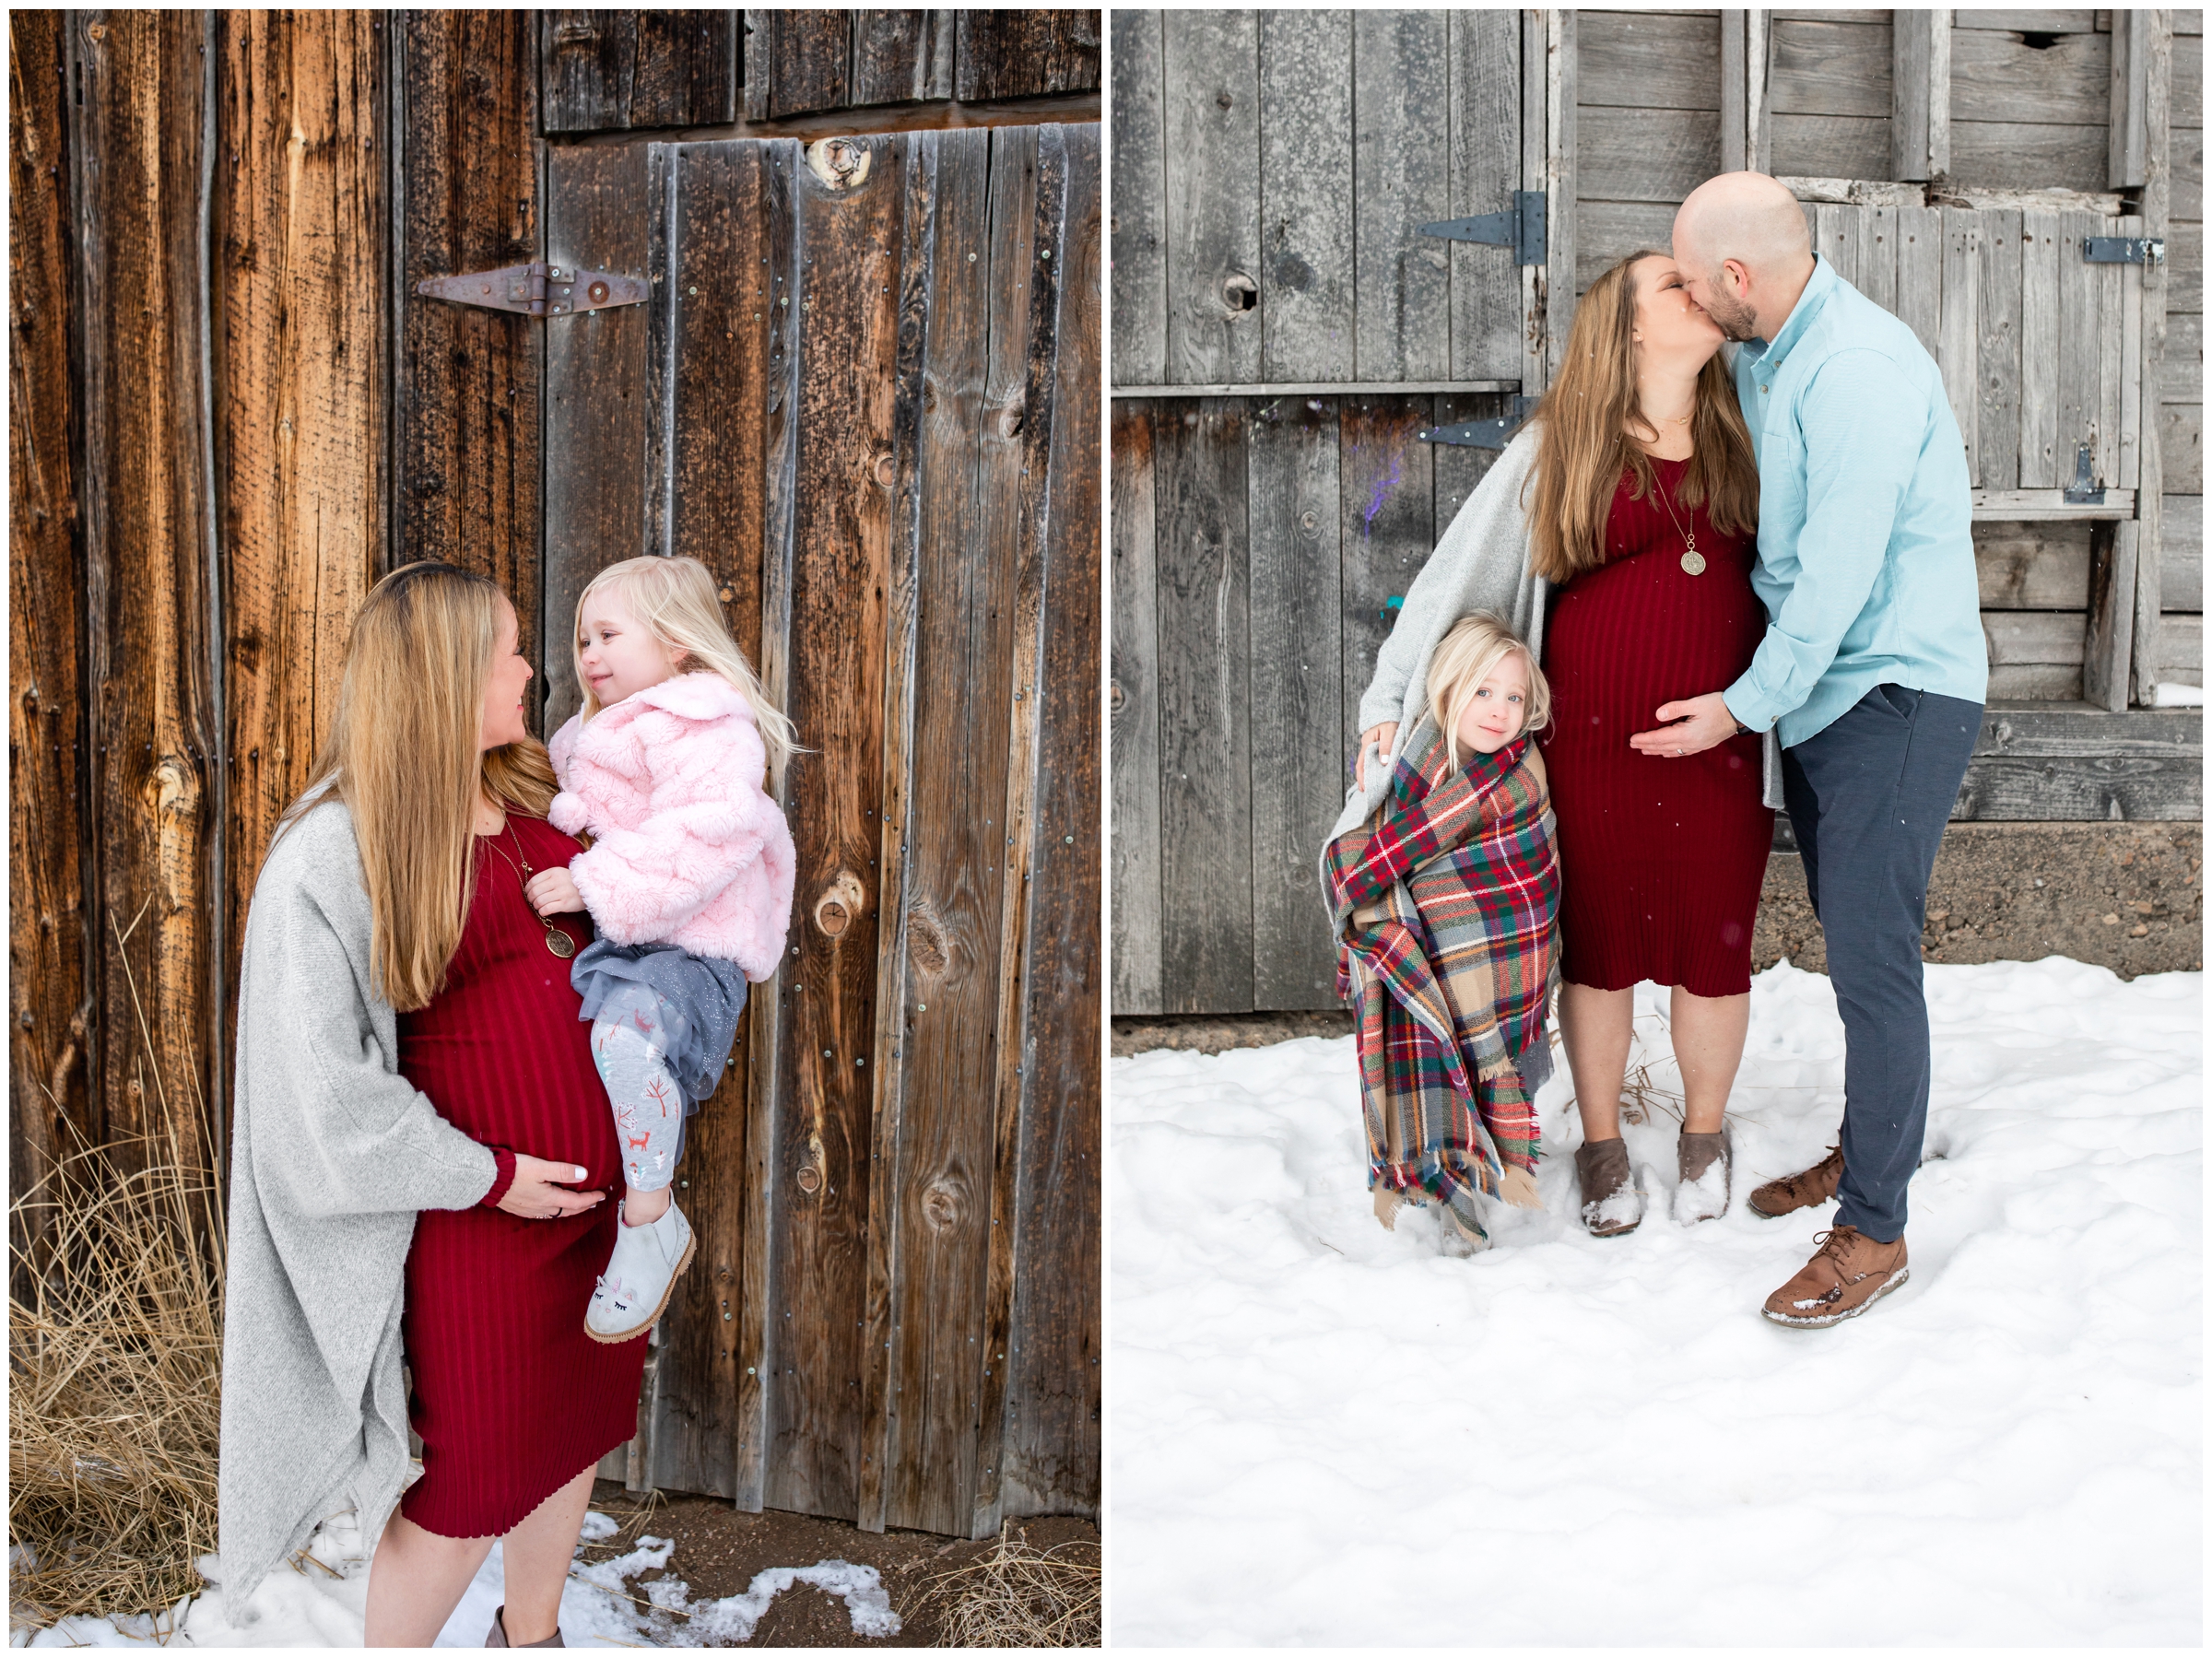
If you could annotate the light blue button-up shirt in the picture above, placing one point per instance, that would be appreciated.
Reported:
(1865, 517)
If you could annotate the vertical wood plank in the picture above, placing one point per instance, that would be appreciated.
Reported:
(1403, 325)
(1457, 470)
(1485, 74)
(2130, 280)
(2039, 351)
(1877, 256)
(51, 1025)
(1998, 444)
(2111, 325)
(1536, 174)
(807, 61)
(2107, 646)
(1306, 193)
(1212, 129)
(1139, 232)
(2128, 130)
(1734, 85)
(596, 393)
(2079, 347)
(467, 409)
(1049, 1462)
(1758, 144)
(1960, 328)
(140, 82)
(1559, 104)
(614, 71)
(937, 1165)
(2147, 643)
(1920, 122)
(1836, 236)
(1297, 695)
(1012, 54)
(848, 236)
(1200, 481)
(1389, 517)
(902, 56)
(1134, 699)
(1920, 273)
(301, 210)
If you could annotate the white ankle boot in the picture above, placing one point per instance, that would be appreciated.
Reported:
(633, 1291)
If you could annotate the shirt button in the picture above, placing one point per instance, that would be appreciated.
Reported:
(1762, 391)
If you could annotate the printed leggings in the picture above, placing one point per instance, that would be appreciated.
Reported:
(630, 1040)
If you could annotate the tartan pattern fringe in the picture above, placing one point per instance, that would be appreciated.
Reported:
(1445, 904)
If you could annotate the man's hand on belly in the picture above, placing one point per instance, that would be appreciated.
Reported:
(1704, 723)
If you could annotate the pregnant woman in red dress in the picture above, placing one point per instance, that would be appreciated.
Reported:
(1642, 518)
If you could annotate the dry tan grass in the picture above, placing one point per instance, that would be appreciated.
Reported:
(1022, 1595)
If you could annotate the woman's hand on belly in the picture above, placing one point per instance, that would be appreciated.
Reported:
(537, 1192)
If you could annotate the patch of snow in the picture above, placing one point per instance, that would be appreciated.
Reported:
(323, 1601)
(1625, 1207)
(1310, 1411)
(1703, 1198)
(2180, 696)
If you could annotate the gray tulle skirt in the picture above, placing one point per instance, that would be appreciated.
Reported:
(698, 999)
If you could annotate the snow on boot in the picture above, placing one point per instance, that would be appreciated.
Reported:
(1611, 1203)
(1701, 1192)
(633, 1291)
(498, 1636)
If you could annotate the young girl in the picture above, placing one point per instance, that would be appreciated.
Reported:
(688, 880)
(1445, 897)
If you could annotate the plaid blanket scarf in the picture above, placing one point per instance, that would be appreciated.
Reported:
(1444, 903)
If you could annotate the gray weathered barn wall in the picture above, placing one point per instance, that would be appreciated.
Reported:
(1283, 334)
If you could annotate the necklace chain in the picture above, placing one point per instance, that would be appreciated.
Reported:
(1693, 561)
(558, 940)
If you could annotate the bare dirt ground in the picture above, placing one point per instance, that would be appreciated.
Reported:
(719, 1550)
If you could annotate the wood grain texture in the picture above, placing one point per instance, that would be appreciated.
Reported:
(2040, 255)
(1919, 94)
(2181, 375)
(1388, 514)
(2185, 268)
(2020, 637)
(1211, 129)
(1561, 179)
(2181, 555)
(597, 394)
(2032, 566)
(1200, 482)
(1998, 363)
(1054, 1363)
(1487, 304)
(1297, 696)
(1133, 698)
(2181, 443)
(2080, 319)
(1139, 225)
(1734, 90)
(620, 70)
(846, 341)
(1919, 246)
(1877, 238)
(2039, 765)
(1824, 68)
(1836, 238)
(902, 56)
(49, 955)
(1401, 78)
(807, 60)
(1609, 231)
(1855, 147)
(1306, 195)
(466, 449)
(1649, 60)
(2182, 650)
(1960, 329)
(301, 210)
(1647, 155)
(154, 719)
(1537, 123)
(2030, 155)
(2108, 633)
(1997, 76)
(1009, 53)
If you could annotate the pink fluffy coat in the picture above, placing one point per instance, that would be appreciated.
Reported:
(687, 848)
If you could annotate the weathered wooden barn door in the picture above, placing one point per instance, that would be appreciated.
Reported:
(864, 394)
(1283, 335)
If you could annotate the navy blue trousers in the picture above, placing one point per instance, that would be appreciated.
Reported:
(1869, 798)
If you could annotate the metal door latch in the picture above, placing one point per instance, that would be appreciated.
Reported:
(2084, 490)
(1481, 434)
(537, 289)
(1520, 229)
(2122, 250)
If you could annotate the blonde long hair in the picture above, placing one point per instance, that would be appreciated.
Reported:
(405, 754)
(1583, 442)
(1466, 657)
(674, 599)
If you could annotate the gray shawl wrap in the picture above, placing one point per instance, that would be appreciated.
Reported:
(332, 1156)
(1480, 564)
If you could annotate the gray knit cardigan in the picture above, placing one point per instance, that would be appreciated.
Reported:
(332, 1156)
(1480, 564)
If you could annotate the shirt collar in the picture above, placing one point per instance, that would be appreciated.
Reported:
(1817, 287)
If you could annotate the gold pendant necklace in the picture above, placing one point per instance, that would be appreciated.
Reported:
(558, 940)
(1693, 561)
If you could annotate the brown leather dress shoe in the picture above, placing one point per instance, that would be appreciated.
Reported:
(1816, 1185)
(1849, 1274)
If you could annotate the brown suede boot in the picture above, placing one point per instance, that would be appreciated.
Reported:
(1816, 1185)
(498, 1636)
(1702, 1163)
(1612, 1205)
(1850, 1273)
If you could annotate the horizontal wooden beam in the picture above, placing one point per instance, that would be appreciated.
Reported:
(2040, 505)
(1319, 388)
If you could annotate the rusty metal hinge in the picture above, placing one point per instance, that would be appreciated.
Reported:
(537, 289)
(1520, 229)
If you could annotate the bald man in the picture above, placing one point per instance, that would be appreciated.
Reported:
(1873, 668)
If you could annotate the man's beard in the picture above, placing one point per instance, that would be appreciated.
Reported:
(1736, 320)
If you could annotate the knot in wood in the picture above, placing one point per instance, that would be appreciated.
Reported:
(835, 909)
(943, 1203)
(838, 162)
(810, 1179)
(1009, 419)
(1238, 293)
(887, 470)
(925, 942)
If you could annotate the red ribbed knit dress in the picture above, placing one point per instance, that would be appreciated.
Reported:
(1660, 859)
(512, 1398)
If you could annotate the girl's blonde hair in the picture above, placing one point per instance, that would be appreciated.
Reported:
(1463, 659)
(1583, 442)
(674, 599)
(404, 751)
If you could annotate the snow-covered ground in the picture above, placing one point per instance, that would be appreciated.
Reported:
(321, 1602)
(1328, 1433)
